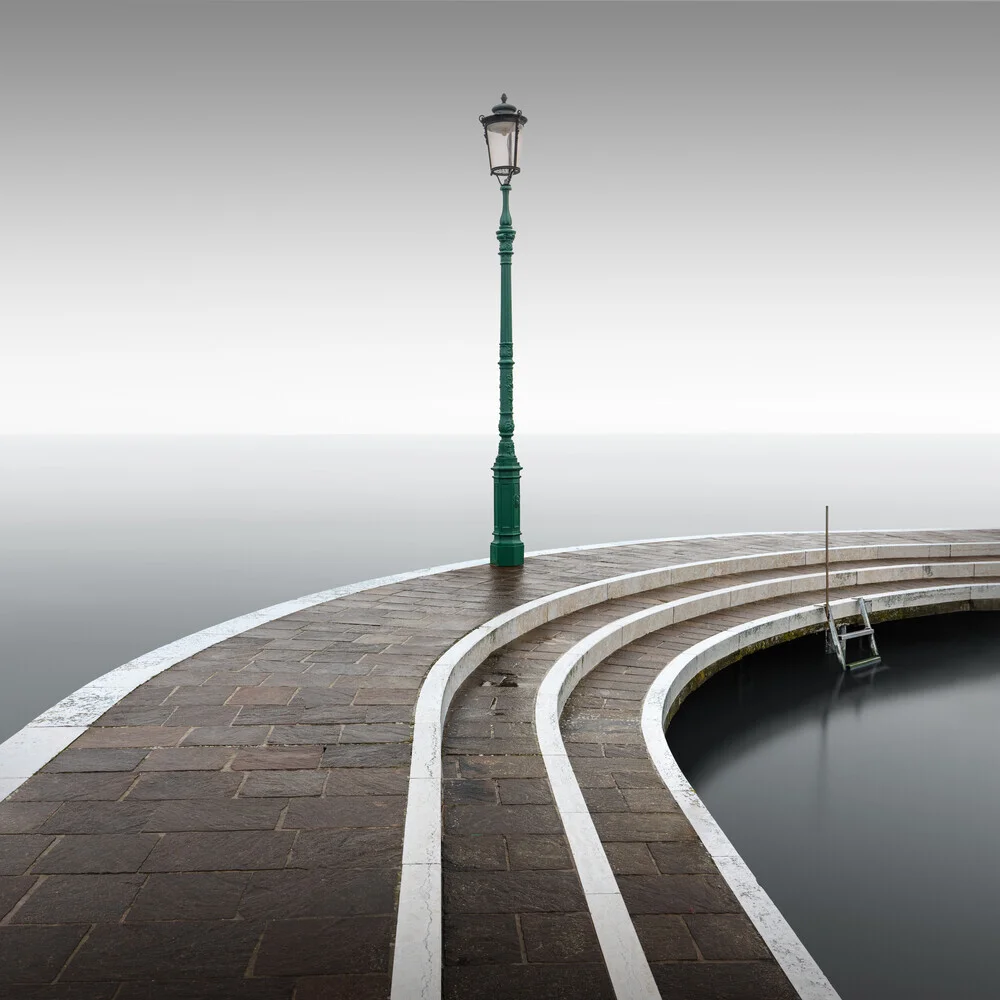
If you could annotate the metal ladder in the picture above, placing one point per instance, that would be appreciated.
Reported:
(839, 635)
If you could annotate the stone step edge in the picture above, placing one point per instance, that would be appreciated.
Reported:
(627, 965)
(418, 949)
(674, 681)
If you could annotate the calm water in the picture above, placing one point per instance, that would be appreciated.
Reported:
(868, 809)
(110, 547)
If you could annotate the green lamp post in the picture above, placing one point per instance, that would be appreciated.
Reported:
(504, 128)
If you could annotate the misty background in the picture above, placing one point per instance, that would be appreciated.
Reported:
(278, 218)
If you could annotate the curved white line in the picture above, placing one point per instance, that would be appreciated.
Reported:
(800, 967)
(417, 954)
(627, 965)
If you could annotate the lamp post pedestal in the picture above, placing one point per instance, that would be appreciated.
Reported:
(507, 549)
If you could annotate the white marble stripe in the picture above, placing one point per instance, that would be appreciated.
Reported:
(416, 971)
(564, 675)
(801, 969)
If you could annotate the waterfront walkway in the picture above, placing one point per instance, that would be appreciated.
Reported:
(234, 827)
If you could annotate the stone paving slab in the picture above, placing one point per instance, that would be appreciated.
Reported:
(233, 827)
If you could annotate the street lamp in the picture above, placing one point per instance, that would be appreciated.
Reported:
(504, 133)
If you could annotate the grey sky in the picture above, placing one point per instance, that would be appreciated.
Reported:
(277, 216)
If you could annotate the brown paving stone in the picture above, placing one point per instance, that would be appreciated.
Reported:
(235, 851)
(24, 817)
(64, 991)
(18, 851)
(199, 815)
(538, 853)
(95, 853)
(227, 736)
(642, 826)
(204, 694)
(373, 987)
(649, 800)
(12, 888)
(367, 755)
(381, 733)
(99, 817)
(206, 989)
(277, 758)
(185, 785)
(637, 779)
(261, 695)
(281, 895)
(268, 715)
(324, 946)
(95, 760)
(528, 982)
(560, 938)
(342, 811)
(723, 981)
(677, 894)
(604, 800)
(524, 791)
(370, 781)
(189, 896)
(665, 938)
(79, 899)
(487, 852)
(486, 939)
(480, 818)
(202, 715)
(347, 849)
(726, 936)
(305, 735)
(70, 787)
(512, 892)
(36, 954)
(187, 759)
(630, 859)
(282, 784)
(468, 790)
(196, 950)
(135, 715)
(147, 737)
(683, 857)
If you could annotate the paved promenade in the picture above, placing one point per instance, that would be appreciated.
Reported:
(233, 828)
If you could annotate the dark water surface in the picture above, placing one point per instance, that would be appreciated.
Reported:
(868, 809)
(112, 546)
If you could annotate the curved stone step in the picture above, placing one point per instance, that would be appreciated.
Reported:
(245, 788)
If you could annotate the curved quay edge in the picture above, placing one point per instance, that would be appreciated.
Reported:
(627, 964)
(48, 734)
(672, 683)
(417, 957)
(28, 750)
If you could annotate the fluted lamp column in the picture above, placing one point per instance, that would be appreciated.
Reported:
(504, 129)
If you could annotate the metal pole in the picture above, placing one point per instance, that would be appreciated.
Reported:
(507, 549)
(828, 561)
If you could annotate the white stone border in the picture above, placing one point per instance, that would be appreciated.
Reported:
(417, 955)
(628, 968)
(800, 967)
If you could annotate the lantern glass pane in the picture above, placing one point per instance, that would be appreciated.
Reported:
(500, 137)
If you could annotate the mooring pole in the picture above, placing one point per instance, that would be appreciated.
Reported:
(828, 562)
